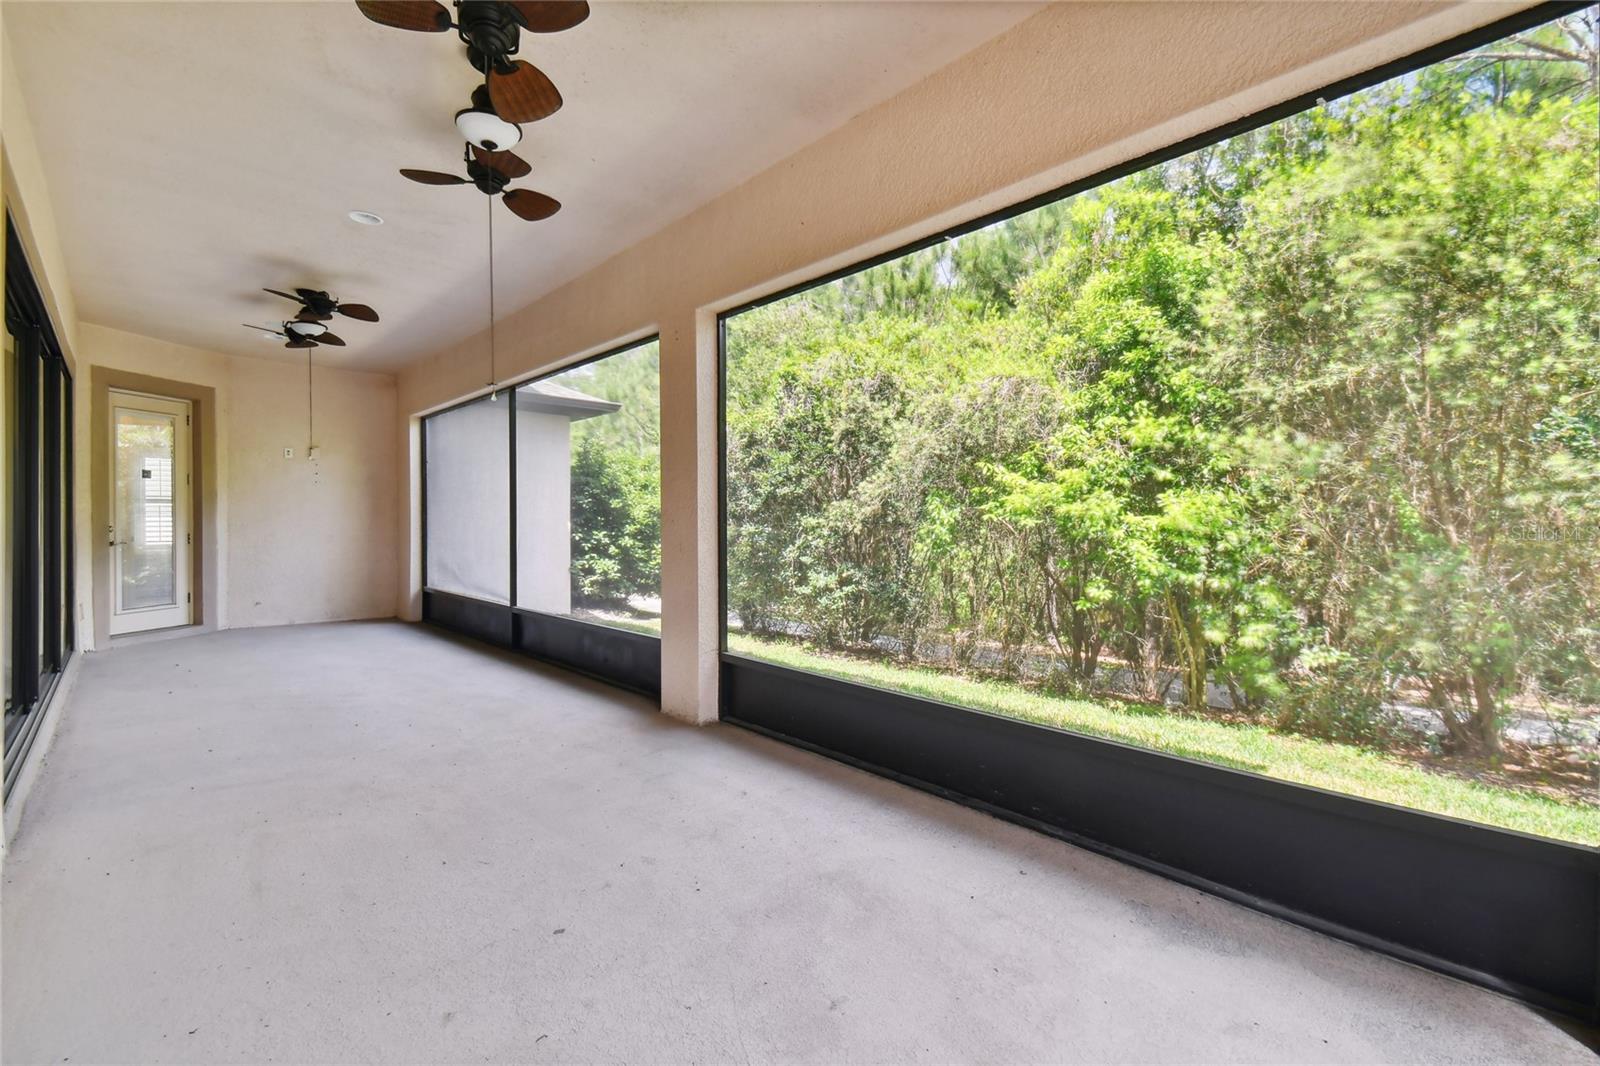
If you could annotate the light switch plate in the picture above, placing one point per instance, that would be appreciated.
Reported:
(288, 453)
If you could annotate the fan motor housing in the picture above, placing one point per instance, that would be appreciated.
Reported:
(317, 302)
(489, 31)
(488, 180)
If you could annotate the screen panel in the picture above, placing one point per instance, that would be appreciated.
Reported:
(589, 491)
(1280, 454)
(468, 524)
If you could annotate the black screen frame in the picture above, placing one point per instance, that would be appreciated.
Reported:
(622, 657)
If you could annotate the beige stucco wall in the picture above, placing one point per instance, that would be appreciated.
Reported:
(299, 540)
(1065, 94)
(26, 195)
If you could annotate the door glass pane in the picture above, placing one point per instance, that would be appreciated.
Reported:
(145, 540)
(8, 459)
(40, 473)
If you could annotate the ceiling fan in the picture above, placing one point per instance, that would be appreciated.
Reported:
(491, 172)
(302, 333)
(317, 306)
(491, 30)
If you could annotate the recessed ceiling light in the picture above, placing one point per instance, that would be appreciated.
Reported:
(366, 218)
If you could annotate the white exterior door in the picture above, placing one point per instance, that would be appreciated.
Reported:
(151, 534)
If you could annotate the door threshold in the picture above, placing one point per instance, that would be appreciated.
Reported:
(149, 636)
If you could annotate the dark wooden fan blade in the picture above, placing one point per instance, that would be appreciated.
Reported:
(550, 16)
(512, 166)
(263, 329)
(432, 177)
(329, 338)
(285, 295)
(358, 311)
(424, 16)
(300, 342)
(308, 315)
(524, 95)
(531, 205)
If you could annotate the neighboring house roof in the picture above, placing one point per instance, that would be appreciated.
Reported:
(549, 398)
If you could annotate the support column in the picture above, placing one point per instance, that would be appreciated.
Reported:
(408, 596)
(691, 621)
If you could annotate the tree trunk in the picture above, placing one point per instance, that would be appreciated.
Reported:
(1485, 715)
(1191, 640)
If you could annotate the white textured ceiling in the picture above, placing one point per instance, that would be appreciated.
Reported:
(197, 152)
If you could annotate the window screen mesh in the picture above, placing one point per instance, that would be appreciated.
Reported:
(468, 527)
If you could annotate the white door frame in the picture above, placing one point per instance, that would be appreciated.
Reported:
(181, 611)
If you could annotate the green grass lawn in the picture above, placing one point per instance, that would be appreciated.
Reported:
(1336, 767)
(652, 626)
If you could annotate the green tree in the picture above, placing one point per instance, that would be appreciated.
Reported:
(616, 524)
(1311, 413)
(1414, 310)
(616, 480)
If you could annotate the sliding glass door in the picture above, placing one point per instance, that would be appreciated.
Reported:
(37, 578)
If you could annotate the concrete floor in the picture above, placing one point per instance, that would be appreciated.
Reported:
(370, 842)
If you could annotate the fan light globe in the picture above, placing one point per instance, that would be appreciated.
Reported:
(487, 130)
(308, 329)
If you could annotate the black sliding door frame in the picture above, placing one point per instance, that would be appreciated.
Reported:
(40, 523)
(618, 656)
(1513, 912)
(51, 517)
(25, 541)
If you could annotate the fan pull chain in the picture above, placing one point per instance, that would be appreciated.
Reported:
(489, 202)
(311, 421)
